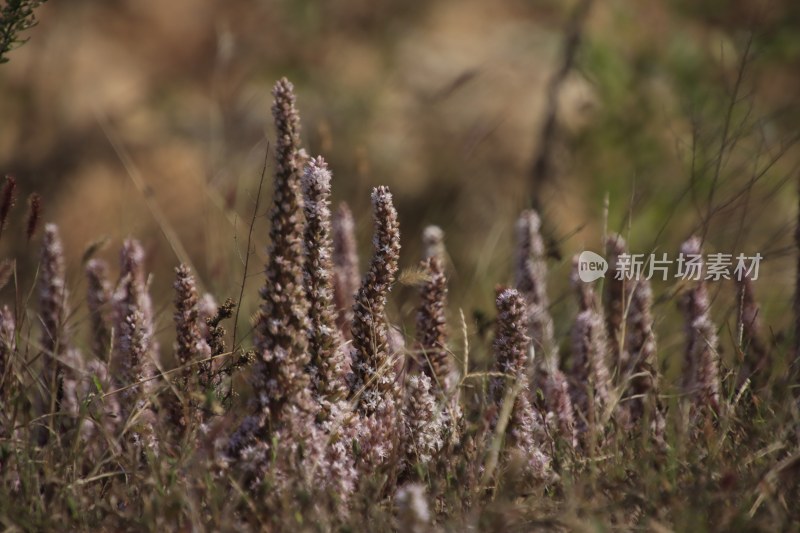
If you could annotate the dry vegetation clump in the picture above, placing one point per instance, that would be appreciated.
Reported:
(345, 427)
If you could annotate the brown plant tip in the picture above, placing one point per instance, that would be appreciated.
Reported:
(371, 365)
(98, 300)
(614, 301)
(34, 214)
(281, 327)
(327, 365)
(7, 198)
(346, 270)
(701, 359)
(432, 326)
(531, 281)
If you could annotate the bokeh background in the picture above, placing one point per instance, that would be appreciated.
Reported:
(654, 118)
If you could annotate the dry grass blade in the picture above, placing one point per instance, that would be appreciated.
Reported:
(500, 430)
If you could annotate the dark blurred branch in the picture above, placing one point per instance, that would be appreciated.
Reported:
(16, 16)
(542, 169)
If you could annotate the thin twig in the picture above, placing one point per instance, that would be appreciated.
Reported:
(249, 240)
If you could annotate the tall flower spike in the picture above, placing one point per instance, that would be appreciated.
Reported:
(98, 299)
(511, 342)
(530, 281)
(325, 345)
(346, 271)
(62, 363)
(281, 328)
(190, 347)
(133, 356)
(53, 297)
(614, 300)
(640, 342)
(701, 361)
(757, 360)
(375, 385)
(431, 319)
(591, 380)
(372, 367)
(525, 428)
(135, 349)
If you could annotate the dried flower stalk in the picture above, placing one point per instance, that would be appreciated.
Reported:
(327, 365)
(281, 342)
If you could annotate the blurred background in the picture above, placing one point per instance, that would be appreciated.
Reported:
(653, 118)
